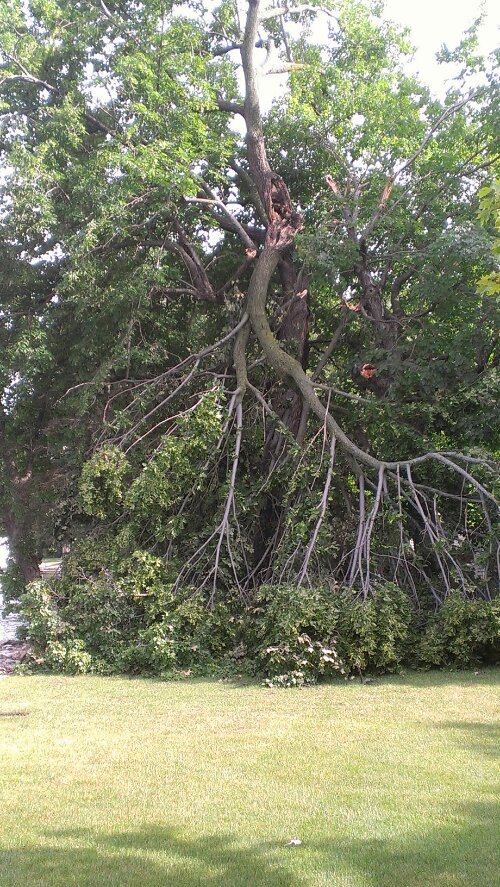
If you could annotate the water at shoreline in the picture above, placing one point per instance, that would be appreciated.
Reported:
(8, 624)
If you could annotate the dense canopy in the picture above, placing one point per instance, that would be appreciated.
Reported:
(256, 349)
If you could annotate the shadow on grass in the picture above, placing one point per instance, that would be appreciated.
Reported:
(149, 857)
(463, 853)
(414, 678)
(411, 678)
(479, 737)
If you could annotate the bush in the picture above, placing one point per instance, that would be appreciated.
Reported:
(153, 650)
(70, 657)
(304, 634)
(375, 635)
(461, 633)
(293, 634)
(131, 619)
(44, 625)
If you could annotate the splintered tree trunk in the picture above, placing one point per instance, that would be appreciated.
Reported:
(283, 224)
(294, 327)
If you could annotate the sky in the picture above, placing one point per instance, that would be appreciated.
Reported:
(435, 22)
(432, 23)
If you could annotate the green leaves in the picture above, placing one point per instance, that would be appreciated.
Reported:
(176, 470)
(121, 262)
(102, 485)
(489, 217)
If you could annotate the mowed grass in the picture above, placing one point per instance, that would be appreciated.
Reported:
(111, 782)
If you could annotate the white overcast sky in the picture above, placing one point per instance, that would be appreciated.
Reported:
(437, 22)
(432, 23)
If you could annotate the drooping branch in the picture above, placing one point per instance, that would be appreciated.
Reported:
(222, 532)
(192, 363)
(284, 364)
(224, 525)
(322, 509)
(283, 226)
(289, 369)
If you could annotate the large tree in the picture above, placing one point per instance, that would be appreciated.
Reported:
(268, 326)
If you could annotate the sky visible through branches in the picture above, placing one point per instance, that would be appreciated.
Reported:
(431, 24)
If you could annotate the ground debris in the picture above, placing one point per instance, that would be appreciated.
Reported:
(12, 652)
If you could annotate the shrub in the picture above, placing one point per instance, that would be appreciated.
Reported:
(43, 623)
(305, 634)
(375, 635)
(461, 633)
(103, 614)
(153, 650)
(70, 657)
(129, 620)
(293, 634)
(189, 637)
(132, 619)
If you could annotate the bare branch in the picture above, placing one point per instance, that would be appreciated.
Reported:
(224, 525)
(285, 68)
(322, 509)
(229, 106)
(296, 10)
(448, 112)
(233, 221)
(345, 317)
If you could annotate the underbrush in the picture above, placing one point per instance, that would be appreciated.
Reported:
(132, 619)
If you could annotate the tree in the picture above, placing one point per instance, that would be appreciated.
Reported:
(194, 274)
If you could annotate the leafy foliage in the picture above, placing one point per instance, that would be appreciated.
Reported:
(462, 633)
(294, 635)
(134, 621)
(377, 633)
(238, 371)
(102, 483)
(130, 620)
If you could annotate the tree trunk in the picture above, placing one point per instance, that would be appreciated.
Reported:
(19, 517)
(21, 546)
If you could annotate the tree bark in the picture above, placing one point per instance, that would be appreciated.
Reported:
(21, 546)
(18, 513)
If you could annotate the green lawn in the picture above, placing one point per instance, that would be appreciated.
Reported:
(110, 782)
